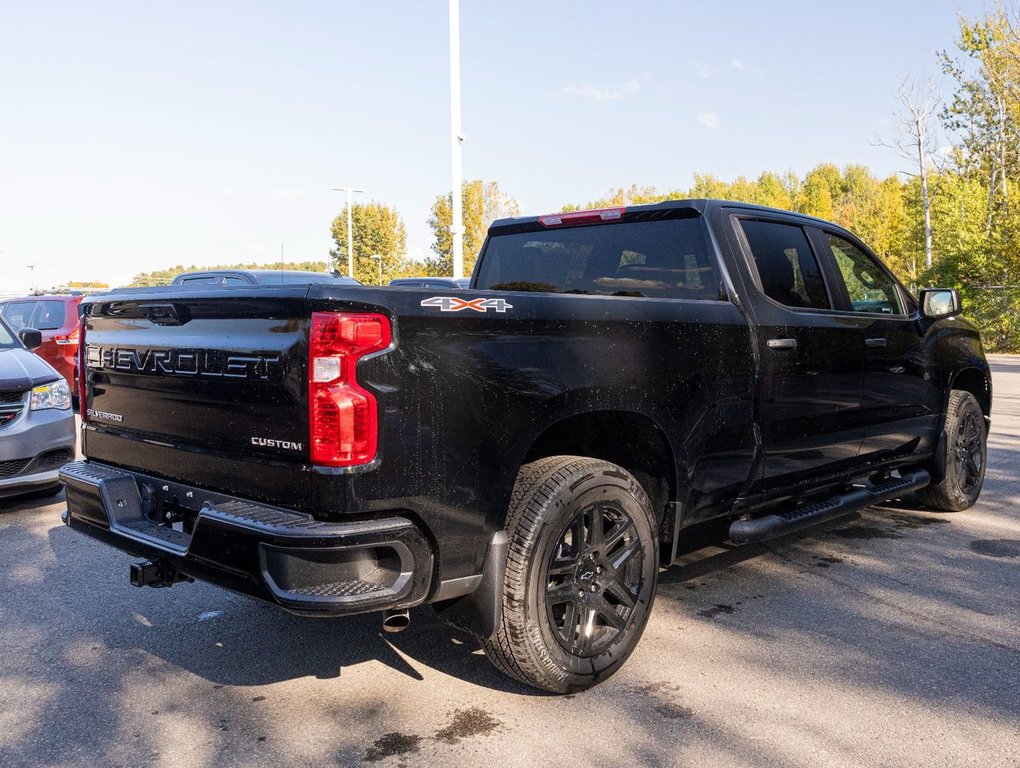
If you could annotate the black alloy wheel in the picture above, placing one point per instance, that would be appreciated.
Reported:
(969, 453)
(580, 575)
(966, 455)
(593, 579)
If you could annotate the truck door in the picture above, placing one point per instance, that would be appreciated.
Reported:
(901, 399)
(811, 356)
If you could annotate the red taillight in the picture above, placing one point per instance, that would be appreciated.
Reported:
(81, 372)
(582, 217)
(343, 418)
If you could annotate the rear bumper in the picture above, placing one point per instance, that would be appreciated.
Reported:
(306, 565)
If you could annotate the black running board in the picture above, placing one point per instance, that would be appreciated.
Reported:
(770, 526)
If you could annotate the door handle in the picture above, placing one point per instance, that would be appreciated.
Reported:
(781, 343)
(878, 342)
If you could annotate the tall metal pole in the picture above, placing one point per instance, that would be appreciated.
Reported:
(456, 140)
(350, 226)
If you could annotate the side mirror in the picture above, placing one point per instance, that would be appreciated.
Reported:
(30, 337)
(940, 302)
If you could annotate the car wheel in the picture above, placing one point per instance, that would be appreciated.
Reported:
(966, 456)
(580, 576)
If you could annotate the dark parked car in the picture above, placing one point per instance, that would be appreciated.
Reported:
(431, 282)
(261, 277)
(56, 317)
(36, 421)
(526, 455)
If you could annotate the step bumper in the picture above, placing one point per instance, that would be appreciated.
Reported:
(306, 565)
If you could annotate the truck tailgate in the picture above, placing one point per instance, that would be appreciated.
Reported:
(212, 390)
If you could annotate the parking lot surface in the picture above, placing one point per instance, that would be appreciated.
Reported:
(890, 637)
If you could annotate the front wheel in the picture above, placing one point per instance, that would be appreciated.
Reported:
(966, 455)
(580, 576)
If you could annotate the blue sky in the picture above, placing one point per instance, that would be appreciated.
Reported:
(134, 136)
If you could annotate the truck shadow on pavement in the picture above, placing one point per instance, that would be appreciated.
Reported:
(93, 641)
(212, 633)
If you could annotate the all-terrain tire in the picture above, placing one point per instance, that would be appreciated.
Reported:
(966, 455)
(580, 575)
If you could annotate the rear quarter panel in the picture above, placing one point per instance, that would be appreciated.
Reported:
(463, 395)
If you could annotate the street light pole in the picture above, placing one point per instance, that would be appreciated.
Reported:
(31, 269)
(378, 258)
(350, 226)
(456, 141)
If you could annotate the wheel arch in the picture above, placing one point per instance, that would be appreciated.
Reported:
(979, 383)
(631, 440)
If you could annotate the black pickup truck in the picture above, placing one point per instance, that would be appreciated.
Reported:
(525, 455)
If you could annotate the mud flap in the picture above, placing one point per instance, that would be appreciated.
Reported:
(481, 611)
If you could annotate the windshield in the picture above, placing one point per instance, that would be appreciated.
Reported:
(661, 259)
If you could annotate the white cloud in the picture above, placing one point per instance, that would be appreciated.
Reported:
(737, 64)
(709, 119)
(608, 93)
(704, 70)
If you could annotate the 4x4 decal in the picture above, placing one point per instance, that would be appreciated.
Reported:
(453, 304)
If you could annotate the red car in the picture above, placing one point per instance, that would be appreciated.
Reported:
(56, 316)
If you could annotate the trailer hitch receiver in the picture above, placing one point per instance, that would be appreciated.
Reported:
(156, 573)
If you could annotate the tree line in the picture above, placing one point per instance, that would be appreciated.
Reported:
(951, 218)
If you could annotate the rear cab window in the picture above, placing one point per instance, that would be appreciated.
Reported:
(666, 259)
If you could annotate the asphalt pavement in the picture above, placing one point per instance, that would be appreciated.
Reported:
(886, 638)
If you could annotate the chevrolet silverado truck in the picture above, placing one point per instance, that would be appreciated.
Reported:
(526, 455)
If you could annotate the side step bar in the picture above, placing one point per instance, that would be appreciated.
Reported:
(770, 526)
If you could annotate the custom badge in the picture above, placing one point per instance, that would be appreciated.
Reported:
(452, 304)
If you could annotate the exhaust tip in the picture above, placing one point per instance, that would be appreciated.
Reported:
(396, 621)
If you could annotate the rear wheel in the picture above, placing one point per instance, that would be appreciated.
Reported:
(580, 576)
(966, 455)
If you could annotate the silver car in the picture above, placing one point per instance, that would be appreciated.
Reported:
(36, 420)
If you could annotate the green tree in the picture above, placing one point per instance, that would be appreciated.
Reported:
(773, 192)
(708, 186)
(815, 197)
(378, 231)
(483, 202)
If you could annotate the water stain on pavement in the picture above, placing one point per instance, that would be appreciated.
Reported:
(672, 711)
(913, 522)
(390, 744)
(659, 686)
(997, 547)
(715, 610)
(861, 531)
(825, 562)
(466, 723)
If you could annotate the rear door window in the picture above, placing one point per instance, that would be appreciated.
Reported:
(49, 315)
(667, 259)
(787, 267)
